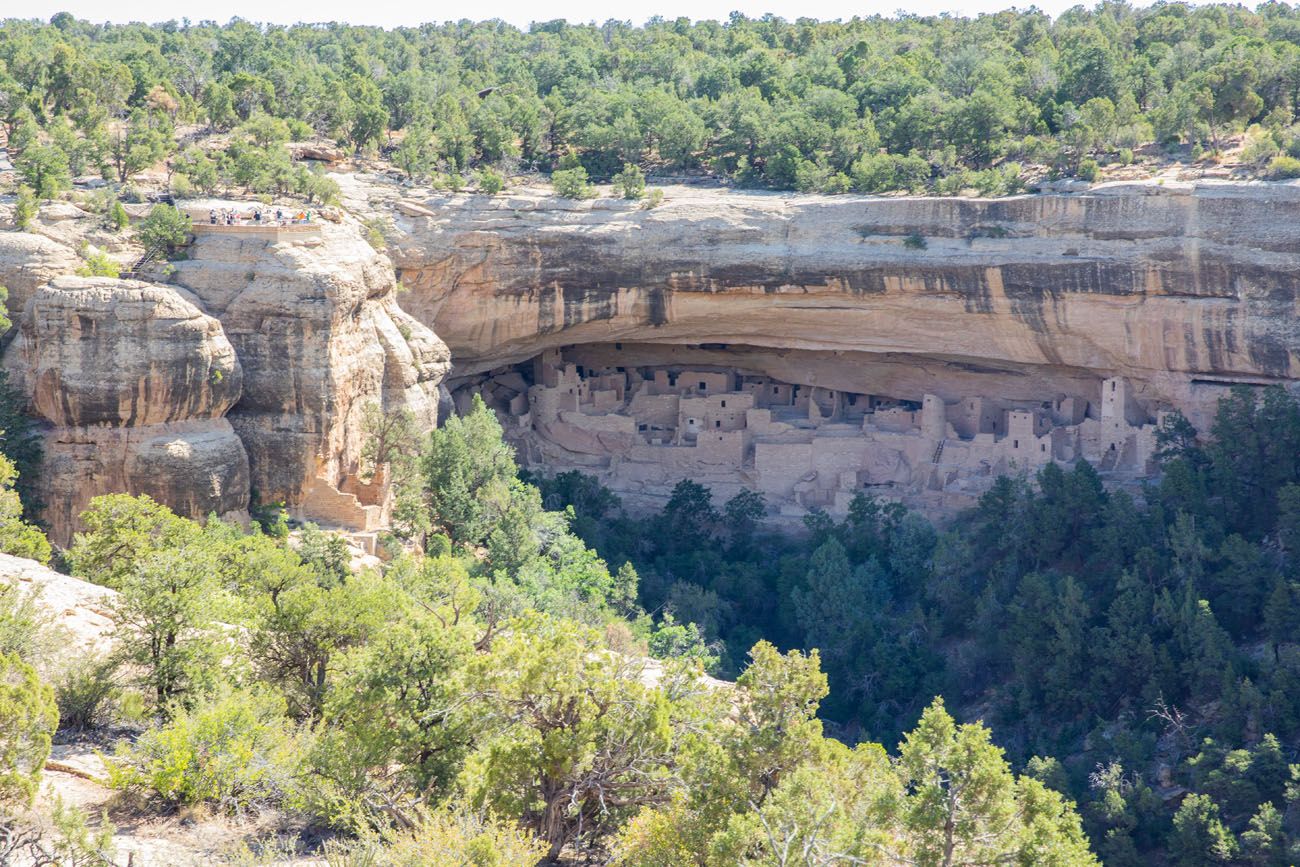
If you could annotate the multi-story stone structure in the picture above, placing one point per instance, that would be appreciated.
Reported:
(641, 429)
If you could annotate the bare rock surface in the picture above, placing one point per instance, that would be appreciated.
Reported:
(80, 611)
(133, 381)
(1179, 287)
(317, 326)
(29, 261)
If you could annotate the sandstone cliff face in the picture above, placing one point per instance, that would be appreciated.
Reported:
(318, 329)
(133, 381)
(1180, 288)
(30, 261)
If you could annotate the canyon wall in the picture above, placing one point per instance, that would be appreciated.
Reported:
(243, 378)
(920, 347)
(1178, 288)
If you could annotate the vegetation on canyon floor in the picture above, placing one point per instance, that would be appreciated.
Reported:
(872, 104)
(518, 693)
(489, 702)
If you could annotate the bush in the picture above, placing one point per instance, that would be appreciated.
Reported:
(572, 183)
(28, 718)
(630, 183)
(83, 694)
(1089, 170)
(18, 537)
(1282, 167)
(654, 199)
(1126, 156)
(914, 242)
(22, 622)
(24, 208)
(117, 216)
(489, 182)
(99, 265)
(457, 835)
(164, 228)
(377, 229)
(236, 752)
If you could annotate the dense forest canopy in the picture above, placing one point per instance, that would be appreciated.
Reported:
(871, 104)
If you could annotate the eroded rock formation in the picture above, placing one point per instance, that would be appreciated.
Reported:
(317, 326)
(249, 378)
(133, 381)
(1177, 291)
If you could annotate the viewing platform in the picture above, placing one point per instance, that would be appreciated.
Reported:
(264, 231)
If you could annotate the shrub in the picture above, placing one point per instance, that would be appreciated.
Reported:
(45, 169)
(572, 183)
(489, 182)
(117, 216)
(24, 208)
(99, 265)
(18, 537)
(630, 182)
(654, 199)
(28, 718)
(164, 228)
(1282, 167)
(1089, 170)
(236, 752)
(458, 835)
(377, 229)
(22, 621)
(83, 694)
(1126, 156)
(914, 242)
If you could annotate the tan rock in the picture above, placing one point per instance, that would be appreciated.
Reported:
(95, 350)
(28, 261)
(83, 610)
(1180, 288)
(133, 380)
(320, 334)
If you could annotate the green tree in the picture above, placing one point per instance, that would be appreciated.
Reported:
(575, 742)
(1200, 837)
(462, 458)
(166, 623)
(28, 718)
(166, 228)
(964, 807)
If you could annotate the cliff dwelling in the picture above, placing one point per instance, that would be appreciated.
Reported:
(643, 417)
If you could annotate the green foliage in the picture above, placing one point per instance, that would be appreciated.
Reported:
(44, 168)
(915, 242)
(1284, 166)
(490, 182)
(18, 537)
(165, 228)
(630, 182)
(458, 835)
(567, 724)
(572, 183)
(28, 718)
(84, 692)
(99, 265)
(464, 460)
(23, 622)
(117, 216)
(25, 208)
(234, 751)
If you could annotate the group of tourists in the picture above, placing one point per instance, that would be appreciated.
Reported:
(257, 217)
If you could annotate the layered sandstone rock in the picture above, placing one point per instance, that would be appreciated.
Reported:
(317, 326)
(1179, 288)
(28, 261)
(133, 381)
